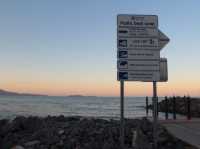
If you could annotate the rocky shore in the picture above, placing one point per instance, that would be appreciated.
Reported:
(181, 105)
(81, 133)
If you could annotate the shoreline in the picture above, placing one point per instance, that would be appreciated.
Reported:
(76, 132)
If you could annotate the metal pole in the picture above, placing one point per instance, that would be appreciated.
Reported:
(155, 116)
(122, 114)
(147, 106)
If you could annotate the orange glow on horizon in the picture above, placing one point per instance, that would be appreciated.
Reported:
(99, 89)
(93, 87)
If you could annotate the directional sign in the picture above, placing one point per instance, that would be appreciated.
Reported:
(143, 43)
(128, 32)
(163, 40)
(131, 65)
(138, 43)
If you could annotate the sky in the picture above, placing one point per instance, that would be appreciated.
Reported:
(64, 47)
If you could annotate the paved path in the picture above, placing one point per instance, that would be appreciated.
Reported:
(185, 130)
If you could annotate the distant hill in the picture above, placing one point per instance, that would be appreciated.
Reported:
(9, 93)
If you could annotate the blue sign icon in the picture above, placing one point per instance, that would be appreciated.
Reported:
(123, 64)
(122, 43)
(122, 75)
(123, 31)
(123, 54)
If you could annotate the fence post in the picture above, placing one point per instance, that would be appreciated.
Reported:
(157, 107)
(166, 108)
(174, 107)
(188, 108)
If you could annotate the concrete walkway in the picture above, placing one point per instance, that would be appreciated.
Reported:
(185, 130)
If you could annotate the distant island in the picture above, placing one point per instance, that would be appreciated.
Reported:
(76, 96)
(10, 93)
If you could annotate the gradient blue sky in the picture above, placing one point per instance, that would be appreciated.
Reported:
(61, 47)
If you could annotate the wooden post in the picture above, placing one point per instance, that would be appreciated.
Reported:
(188, 108)
(174, 108)
(157, 107)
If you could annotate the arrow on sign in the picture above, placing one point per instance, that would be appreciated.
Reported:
(163, 40)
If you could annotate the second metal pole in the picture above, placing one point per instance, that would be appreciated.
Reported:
(155, 114)
(147, 106)
(122, 114)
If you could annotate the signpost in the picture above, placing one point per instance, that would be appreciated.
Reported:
(139, 42)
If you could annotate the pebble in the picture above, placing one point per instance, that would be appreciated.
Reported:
(31, 143)
(60, 132)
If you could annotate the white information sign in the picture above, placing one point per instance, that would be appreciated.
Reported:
(139, 42)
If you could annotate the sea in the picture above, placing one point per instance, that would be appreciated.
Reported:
(102, 107)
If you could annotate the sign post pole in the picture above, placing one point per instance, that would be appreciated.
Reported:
(155, 113)
(122, 114)
(139, 42)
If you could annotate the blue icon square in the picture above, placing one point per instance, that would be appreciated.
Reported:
(122, 54)
(122, 75)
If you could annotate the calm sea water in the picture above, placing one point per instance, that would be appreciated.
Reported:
(12, 106)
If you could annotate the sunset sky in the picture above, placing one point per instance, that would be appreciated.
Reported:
(62, 47)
